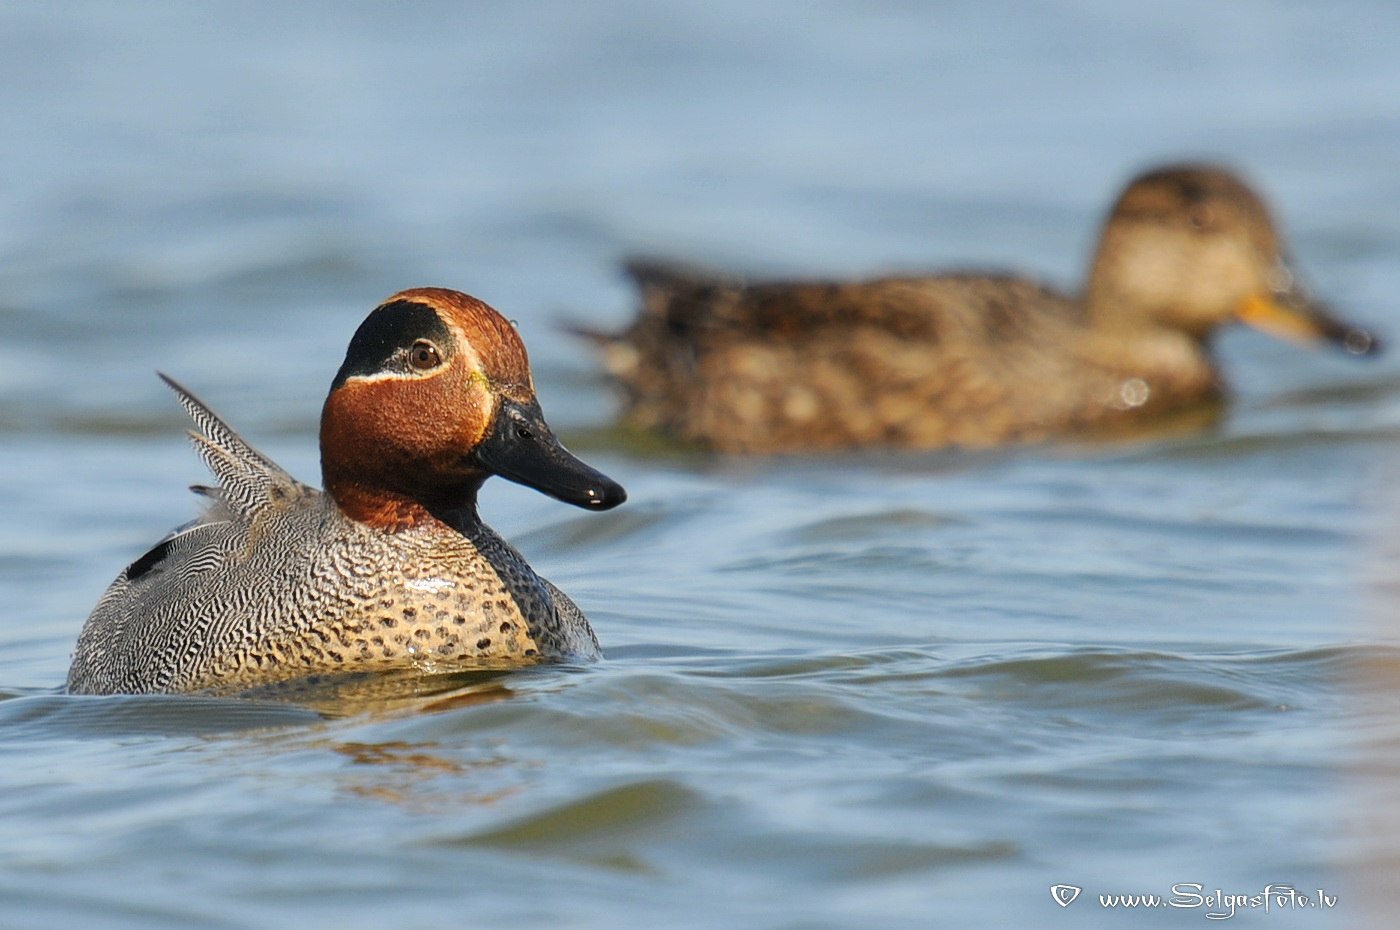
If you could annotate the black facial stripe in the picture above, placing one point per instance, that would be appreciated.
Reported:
(382, 342)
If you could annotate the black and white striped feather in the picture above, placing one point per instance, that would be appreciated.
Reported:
(248, 480)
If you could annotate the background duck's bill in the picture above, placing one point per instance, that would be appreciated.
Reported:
(1302, 321)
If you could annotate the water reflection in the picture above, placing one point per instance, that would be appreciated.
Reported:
(422, 774)
(377, 694)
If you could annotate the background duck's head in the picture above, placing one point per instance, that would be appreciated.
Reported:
(434, 396)
(1192, 247)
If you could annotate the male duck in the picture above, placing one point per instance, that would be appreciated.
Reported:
(969, 359)
(390, 566)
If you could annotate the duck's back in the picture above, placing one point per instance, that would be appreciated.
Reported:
(167, 619)
(917, 362)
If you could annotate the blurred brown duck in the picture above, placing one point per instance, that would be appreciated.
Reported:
(969, 359)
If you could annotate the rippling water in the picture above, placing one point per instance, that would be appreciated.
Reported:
(855, 691)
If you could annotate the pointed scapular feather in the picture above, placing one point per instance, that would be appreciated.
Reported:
(249, 480)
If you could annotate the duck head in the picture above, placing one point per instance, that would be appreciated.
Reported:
(434, 397)
(1192, 247)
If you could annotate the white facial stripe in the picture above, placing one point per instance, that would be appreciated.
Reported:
(397, 376)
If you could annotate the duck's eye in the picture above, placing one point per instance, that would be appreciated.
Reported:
(424, 355)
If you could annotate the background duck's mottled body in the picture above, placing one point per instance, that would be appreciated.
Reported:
(967, 359)
(279, 580)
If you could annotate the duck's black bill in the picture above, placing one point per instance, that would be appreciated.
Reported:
(522, 448)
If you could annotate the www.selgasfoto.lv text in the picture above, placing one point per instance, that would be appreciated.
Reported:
(1217, 904)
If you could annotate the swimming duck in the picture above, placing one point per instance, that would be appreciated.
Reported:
(389, 566)
(967, 359)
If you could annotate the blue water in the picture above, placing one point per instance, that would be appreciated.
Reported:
(858, 691)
